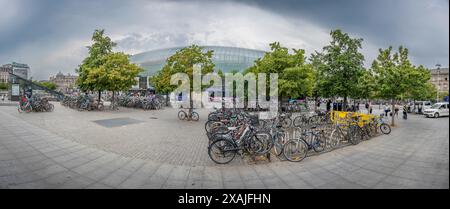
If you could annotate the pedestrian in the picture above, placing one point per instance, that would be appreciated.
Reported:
(405, 111)
(396, 110)
(328, 105)
(387, 109)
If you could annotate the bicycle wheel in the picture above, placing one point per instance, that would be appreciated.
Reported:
(355, 135)
(278, 144)
(51, 107)
(28, 108)
(295, 150)
(100, 107)
(261, 142)
(222, 151)
(181, 115)
(195, 116)
(298, 121)
(335, 138)
(385, 128)
(286, 123)
(319, 143)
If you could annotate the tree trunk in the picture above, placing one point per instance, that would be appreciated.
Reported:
(315, 105)
(167, 99)
(392, 112)
(191, 103)
(112, 101)
(280, 101)
(344, 106)
(223, 93)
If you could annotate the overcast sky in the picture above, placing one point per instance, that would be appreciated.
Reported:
(52, 35)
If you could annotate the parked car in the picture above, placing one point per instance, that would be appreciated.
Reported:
(437, 110)
(424, 104)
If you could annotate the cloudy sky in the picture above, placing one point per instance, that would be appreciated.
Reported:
(52, 35)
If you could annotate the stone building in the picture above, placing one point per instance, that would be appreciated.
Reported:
(439, 77)
(64, 83)
(4, 74)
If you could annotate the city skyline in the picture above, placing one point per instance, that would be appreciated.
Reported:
(51, 36)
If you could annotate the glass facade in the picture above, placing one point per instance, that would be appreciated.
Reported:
(225, 58)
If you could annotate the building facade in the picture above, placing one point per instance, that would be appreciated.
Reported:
(19, 69)
(64, 83)
(225, 58)
(4, 74)
(439, 77)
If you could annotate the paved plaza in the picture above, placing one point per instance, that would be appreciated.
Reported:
(152, 149)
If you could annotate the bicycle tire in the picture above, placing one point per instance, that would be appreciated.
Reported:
(223, 145)
(385, 128)
(195, 116)
(286, 123)
(295, 150)
(181, 115)
(264, 140)
(319, 143)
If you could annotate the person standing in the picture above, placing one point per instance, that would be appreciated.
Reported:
(396, 109)
(328, 105)
(387, 109)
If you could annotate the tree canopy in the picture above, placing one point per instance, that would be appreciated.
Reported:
(104, 69)
(295, 76)
(339, 66)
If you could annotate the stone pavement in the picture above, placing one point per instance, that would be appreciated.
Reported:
(66, 149)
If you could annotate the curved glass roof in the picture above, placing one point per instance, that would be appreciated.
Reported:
(224, 58)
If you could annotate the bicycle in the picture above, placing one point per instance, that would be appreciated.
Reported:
(190, 115)
(239, 140)
(295, 150)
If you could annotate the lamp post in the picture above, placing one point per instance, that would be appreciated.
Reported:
(438, 81)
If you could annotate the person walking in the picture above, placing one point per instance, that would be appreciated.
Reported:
(328, 105)
(396, 109)
(405, 111)
(387, 109)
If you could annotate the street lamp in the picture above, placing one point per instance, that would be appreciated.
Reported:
(438, 81)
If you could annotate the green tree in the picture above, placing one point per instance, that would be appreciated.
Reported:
(49, 85)
(115, 74)
(3, 86)
(183, 61)
(339, 66)
(101, 47)
(295, 76)
(418, 84)
(396, 77)
(366, 86)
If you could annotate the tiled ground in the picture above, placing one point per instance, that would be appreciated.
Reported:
(65, 149)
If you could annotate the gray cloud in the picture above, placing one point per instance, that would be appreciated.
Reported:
(51, 35)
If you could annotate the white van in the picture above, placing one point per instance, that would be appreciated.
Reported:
(437, 110)
(424, 104)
